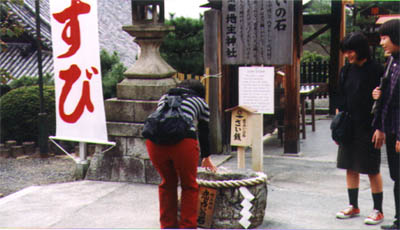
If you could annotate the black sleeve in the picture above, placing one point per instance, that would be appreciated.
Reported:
(341, 98)
(204, 138)
(375, 82)
(378, 72)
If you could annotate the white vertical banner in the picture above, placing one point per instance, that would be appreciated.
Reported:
(80, 112)
(256, 88)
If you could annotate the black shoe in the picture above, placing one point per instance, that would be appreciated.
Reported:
(390, 226)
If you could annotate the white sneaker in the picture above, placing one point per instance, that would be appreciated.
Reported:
(374, 218)
(348, 213)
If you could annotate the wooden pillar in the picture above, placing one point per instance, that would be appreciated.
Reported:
(230, 98)
(292, 88)
(334, 63)
(342, 31)
(212, 61)
(257, 147)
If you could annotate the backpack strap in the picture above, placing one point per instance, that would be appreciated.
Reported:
(174, 101)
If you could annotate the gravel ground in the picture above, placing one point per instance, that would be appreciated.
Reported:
(22, 172)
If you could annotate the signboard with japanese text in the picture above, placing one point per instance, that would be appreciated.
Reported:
(206, 203)
(240, 128)
(256, 88)
(257, 32)
(80, 112)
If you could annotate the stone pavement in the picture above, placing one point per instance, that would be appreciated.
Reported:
(304, 192)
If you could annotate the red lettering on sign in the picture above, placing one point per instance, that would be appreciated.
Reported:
(70, 76)
(70, 17)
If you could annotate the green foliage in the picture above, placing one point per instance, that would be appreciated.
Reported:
(309, 56)
(8, 28)
(19, 111)
(183, 48)
(318, 7)
(323, 40)
(354, 20)
(4, 89)
(357, 22)
(5, 76)
(112, 73)
(29, 81)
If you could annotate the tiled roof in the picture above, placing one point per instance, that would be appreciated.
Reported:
(25, 16)
(113, 14)
(22, 60)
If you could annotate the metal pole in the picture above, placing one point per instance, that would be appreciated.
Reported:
(42, 115)
(82, 165)
(83, 153)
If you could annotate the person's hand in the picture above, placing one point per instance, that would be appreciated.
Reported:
(398, 146)
(378, 138)
(208, 165)
(376, 93)
(336, 142)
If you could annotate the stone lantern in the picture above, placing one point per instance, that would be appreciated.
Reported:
(147, 12)
(149, 30)
(137, 96)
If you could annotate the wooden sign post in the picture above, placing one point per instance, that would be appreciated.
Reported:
(241, 131)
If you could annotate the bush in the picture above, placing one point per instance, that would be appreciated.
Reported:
(309, 56)
(112, 71)
(4, 89)
(5, 77)
(29, 81)
(19, 111)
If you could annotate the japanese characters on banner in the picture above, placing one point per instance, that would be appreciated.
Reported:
(80, 112)
(257, 32)
(256, 88)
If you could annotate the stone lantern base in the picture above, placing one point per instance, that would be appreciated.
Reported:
(129, 161)
(137, 95)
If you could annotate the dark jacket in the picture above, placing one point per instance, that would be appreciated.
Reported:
(387, 119)
(356, 84)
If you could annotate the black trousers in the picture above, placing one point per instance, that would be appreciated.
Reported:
(394, 169)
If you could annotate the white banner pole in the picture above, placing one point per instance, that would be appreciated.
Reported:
(83, 153)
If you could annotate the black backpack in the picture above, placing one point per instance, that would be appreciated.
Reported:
(341, 125)
(342, 129)
(168, 125)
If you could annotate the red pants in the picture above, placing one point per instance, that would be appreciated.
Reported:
(175, 162)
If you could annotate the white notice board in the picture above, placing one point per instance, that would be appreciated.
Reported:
(256, 88)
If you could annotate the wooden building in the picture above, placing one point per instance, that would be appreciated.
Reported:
(224, 91)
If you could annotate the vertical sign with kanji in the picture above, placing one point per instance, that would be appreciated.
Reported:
(80, 112)
(257, 32)
(205, 209)
(240, 125)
